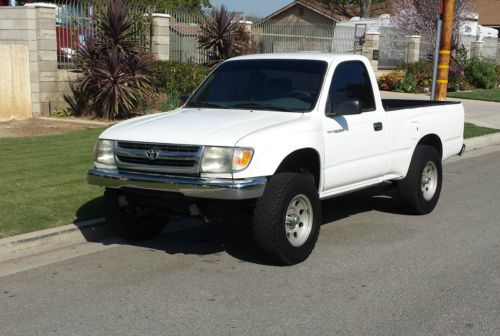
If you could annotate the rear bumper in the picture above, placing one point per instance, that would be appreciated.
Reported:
(226, 189)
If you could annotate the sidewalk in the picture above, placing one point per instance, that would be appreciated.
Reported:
(480, 113)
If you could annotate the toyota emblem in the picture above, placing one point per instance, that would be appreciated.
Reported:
(153, 153)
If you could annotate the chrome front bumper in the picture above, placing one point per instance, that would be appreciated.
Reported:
(226, 189)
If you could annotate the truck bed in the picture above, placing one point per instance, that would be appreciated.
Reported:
(391, 105)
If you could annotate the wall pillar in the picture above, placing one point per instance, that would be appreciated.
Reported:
(160, 41)
(34, 26)
(370, 48)
(476, 49)
(248, 25)
(413, 48)
(49, 94)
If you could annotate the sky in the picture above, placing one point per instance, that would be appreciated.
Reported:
(252, 7)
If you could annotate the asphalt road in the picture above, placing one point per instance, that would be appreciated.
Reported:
(374, 271)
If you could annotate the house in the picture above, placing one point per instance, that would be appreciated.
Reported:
(489, 12)
(312, 12)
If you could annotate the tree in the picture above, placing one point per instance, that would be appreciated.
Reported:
(418, 17)
(344, 7)
(223, 37)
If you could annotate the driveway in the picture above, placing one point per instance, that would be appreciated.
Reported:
(481, 113)
(375, 271)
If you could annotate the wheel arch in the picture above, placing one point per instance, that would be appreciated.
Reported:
(306, 161)
(432, 140)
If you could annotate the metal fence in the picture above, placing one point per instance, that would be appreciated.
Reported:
(393, 48)
(75, 24)
(498, 54)
(269, 37)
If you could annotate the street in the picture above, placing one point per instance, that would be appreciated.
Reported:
(375, 271)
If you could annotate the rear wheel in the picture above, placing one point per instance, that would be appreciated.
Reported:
(130, 221)
(419, 191)
(287, 218)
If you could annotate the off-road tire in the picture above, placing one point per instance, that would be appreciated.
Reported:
(270, 214)
(131, 222)
(410, 189)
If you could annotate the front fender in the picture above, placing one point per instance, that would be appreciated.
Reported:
(272, 145)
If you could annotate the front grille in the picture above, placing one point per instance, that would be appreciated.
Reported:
(157, 162)
(158, 158)
(162, 147)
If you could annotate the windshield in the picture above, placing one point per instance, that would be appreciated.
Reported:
(276, 85)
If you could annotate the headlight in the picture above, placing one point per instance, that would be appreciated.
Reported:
(225, 159)
(103, 154)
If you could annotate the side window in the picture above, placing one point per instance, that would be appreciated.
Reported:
(351, 91)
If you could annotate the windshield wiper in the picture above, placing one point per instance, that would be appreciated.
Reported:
(206, 104)
(264, 107)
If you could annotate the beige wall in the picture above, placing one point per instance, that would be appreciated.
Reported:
(15, 88)
(292, 16)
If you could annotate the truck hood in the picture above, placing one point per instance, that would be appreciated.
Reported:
(214, 127)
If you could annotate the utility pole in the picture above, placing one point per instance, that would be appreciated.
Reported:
(448, 9)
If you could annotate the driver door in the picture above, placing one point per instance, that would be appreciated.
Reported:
(355, 130)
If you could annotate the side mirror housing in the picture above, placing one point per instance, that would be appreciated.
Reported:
(348, 107)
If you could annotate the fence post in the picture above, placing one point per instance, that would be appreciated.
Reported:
(370, 48)
(160, 39)
(476, 49)
(413, 48)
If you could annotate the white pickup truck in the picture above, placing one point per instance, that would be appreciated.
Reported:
(269, 136)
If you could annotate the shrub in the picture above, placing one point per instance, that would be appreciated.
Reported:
(116, 70)
(408, 84)
(388, 82)
(168, 102)
(421, 71)
(455, 78)
(417, 68)
(178, 78)
(480, 73)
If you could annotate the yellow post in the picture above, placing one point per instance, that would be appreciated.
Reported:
(445, 52)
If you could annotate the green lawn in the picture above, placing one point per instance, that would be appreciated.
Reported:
(488, 95)
(43, 182)
(472, 131)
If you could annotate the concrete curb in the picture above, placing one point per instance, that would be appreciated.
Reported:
(45, 240)
(95, 230)
(482, 141)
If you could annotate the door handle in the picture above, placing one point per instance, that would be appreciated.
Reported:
(378, 126)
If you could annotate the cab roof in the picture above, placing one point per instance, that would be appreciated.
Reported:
(313, 56)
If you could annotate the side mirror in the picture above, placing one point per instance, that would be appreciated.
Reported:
(183, 100)
(348, 107)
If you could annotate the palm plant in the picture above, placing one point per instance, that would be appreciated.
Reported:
(116, 70)
(222, 36)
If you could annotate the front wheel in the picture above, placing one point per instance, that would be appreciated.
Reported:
(419, 191)
(287, 218)
(130, 221)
